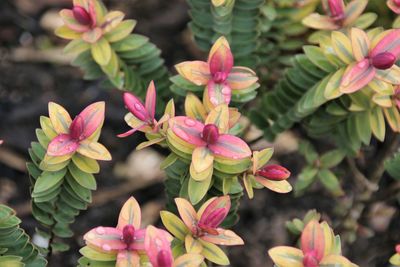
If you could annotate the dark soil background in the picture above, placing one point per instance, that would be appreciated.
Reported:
(34, 72)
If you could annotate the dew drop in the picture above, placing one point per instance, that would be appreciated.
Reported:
(214, 100)
(190, 122)
(138, 107)
(100, 230)
(106, 247)
(362, 64)
(226, 91)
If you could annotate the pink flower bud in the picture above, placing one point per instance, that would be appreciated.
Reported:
(81, 15)
(164, 259)
(336, 7)
(214, 218)
(310, 259)
(210, 133)
(398, 249)
(274, 172)
(136, 107)
(128, 234)
(383, 60)
(220, 77)
(76, 129)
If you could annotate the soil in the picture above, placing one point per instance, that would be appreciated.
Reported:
(27, 85)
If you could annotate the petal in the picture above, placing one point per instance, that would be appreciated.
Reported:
(335, 260)
(151, 100)
(219, 116)
(391, 76)
(276, 186)
(215, 212)
(105, 239)
(194, 108)
(319, 22)
(69, 20)
(231, 147)
(312, 239)
(187, 212)
(219, 93)
(93, 118)
(128, 258)
(94, 150)
(353, 10)
(130, 214)
(224, 238)
(62, 145)
(389, 41)
(202, 159)
(241, 78)
(158, 241)
(197, 72)
(60, 118)
(357, 76)
(360, 43)
(220, 58)
(286, 256)
(188, 130)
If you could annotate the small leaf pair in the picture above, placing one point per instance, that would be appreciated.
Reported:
(218, 75)
(271, 176)
(200, 231)
(90, 26)
(79, 135)
(338, 15)
(319, 248)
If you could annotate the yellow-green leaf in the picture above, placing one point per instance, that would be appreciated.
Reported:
(342, 46)
(174, 225)
(121, 31)
(101, 52)
(286, 256)
(214, 254)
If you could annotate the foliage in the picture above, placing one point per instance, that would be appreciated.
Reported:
(16, 248)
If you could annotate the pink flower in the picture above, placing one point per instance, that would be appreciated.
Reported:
(375, 60)
(218, 74)
(394, 5)
(79, 135)
(126, 240)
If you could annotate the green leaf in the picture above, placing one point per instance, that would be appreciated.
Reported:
(306, 177)
(101, 52)
(76, 47)
(331, 158)
(197, 190)
(48, 180)
(86, 180)
(86, 164)
(377, 123)
(174, 225)
(59, 247)
(214, 254)
(121, 31)
(317, 57)
(95, 255)
(330, 181)
(308, 151)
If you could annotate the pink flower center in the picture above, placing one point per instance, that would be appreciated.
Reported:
(128, 234)
(210, 134)
(81, 15)
(337, 9)
(310, 259)
(163, 259)
(220, 77)
(383, 60)
(76, 129)
(274, 172)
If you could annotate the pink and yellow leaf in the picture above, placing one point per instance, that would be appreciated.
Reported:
(194, 108)
(93, 117)
(353, 10)
(130, 214)
(335, 260)
(219, 116)
(105, 239)
(276, 186)
(219, 93)
(197, 72)
(187, 212)
(62, 145)
(93, 150)
(313, 239)
(319, 22)
(286, 256)
(241, 78)
(360, 44)
(188, 130)
(59, 118)
(192, 245)
(230, 147)
(224, 238)
(357, 76)
(128, 259)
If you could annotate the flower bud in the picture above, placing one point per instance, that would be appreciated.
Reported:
(76, 128)
(274, 172)
(336, 7)
(135, 106)
(396, 2)
(310, 260)
(164, 259)
(128, 234)
(398, 249)
(383, 60)
(210, 133)
(214, 218)
(220, 77)
(81, 15)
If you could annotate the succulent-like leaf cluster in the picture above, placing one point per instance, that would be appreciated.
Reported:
(103, 45)
(16, 248)
(319, 247)
(62, 167)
